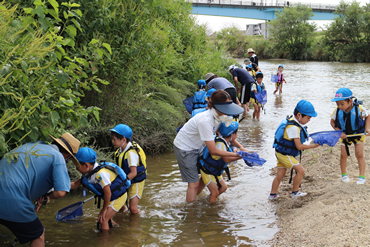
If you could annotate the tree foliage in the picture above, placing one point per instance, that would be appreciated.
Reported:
(291, 31)
(41, 82)
(348, 36)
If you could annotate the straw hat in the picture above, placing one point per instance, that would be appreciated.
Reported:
(251, 50)
(70, 144)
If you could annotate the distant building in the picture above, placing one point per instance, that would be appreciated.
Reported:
(258, 29)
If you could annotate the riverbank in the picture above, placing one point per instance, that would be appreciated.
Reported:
(333, 213)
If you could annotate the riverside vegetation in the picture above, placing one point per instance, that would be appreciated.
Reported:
(84, 66)
(292, 36)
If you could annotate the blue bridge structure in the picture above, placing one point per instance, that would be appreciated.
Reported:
(257, 9)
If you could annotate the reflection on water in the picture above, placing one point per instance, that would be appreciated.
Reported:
(243, 214)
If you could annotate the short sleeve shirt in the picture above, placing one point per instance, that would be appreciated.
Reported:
(243, 76)
(196, 131)
(292, 131)
(221, 146)
(39, 168)
(219, 83)
(363, 112)
(132, 156)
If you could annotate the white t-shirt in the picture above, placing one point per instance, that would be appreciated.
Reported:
(363, 112)
(133, 157)
(293, 131)
(196, 131)
(101, 178)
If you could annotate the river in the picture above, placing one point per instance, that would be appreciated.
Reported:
(242, 216)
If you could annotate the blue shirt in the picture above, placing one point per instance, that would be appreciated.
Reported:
(219, 83)
(243, 76)
(28, 178)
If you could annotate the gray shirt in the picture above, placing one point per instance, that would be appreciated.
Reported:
(219, 83)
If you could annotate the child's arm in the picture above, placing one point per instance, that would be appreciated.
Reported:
(236, 144)
(301, 146)
(133, 173)
(75, 184)
(217, 152)
(332, 123)
(107, 196)
(230, 159)
(367, 125)
(236, 84)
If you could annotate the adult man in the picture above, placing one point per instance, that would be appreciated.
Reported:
(213, 81)
(245, 80)
(253, 56)
(37, 169)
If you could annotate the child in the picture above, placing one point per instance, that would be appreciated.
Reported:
(212, 167)
(103, 181)
(289, 139)
(257, 87)
(279, 83)
(200, 100)
(131, 158)
(352, 118)
(251, 71)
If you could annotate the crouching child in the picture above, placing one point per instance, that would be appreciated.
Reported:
(107, 181)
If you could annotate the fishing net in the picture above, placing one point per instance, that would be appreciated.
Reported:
(71, 212)
(188, 103)
(326, 137)
(261, 97)
(274, 78)
(251, 159)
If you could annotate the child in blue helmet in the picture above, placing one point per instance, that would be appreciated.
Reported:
(257, 87)
(199, 110)
(352, 118)
(102, 181)
(289, 139)
(212, 166)
(281, 79)
(131, 158)
(200, 99)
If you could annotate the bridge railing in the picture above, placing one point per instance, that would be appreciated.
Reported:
(267, 3)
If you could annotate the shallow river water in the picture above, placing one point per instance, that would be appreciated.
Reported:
(242, 216)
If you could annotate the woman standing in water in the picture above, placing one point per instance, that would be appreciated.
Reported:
(199, 130)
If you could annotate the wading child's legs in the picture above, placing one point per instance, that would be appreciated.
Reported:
(107, 216)
(277, 180)
(214, 192)
(359, 150)
(223, 188)
(298, 177)
(343, 159)
(281, 88)
(201, 186)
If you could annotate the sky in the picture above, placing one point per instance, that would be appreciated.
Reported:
(216, 23)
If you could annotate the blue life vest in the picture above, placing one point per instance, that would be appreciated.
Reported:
(258, 87)
(199, 100)
(285, 146)
(118, 187)
(196, 111)
(211, 166)
(141, 167)
(354, 116)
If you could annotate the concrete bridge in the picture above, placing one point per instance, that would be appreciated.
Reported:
(257, 9)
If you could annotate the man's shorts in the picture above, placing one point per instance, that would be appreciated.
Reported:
(245, 94)
(117, 204)
(233, 94)
(207, 178)
(25, 232)
(254, 101)
(360, 140)
(136, 189)
(286, 161)
(278, 84)
(187, 161)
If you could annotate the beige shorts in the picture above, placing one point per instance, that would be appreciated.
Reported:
(286, 161)
(208, 178)
(136, 189)
(117, 204)
(361, 140)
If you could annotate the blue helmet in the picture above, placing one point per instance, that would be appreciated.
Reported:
(228, 131)
(342, 94)
(249, 66)
(201, 82)
(86, 155)
(210, 92)
(280, 65)
(123, 129)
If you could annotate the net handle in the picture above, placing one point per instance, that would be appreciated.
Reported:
(89, 199)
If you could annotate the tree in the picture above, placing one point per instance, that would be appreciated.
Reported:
(291, 31)
(348, 35)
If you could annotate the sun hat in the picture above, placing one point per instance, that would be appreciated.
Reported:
(123, 130)
(210, 92)
(305, 107)
(228, 131)
(208, 76)
(228, 108)
(70, 144)
(201, 82)
(247, 60)
(231, 67)
(280, 65)
(86, 155)
(259, 74)
(250, 50)
(342, 94)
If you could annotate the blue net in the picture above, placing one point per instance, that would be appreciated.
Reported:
(274, 78)
(251, 159)
(188, 103)
(261, 97)
(71, 212)
(196, 111)
(326, 137)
